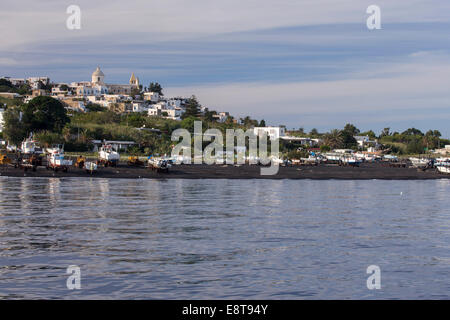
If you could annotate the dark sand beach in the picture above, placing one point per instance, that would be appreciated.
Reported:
(323, 171)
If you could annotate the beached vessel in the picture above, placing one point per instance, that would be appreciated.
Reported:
(56, 161)
(159, 164)
(350, 161)
(108, 156)
(333, 157)
(442, 165)
(90, 167)
(420, 162)
(30, 146)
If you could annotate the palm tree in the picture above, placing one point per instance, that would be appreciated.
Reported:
(334, 139)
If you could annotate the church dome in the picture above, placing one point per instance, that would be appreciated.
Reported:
(98, 73)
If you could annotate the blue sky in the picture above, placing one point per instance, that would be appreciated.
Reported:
(299, 63)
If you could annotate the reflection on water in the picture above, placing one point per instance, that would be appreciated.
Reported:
(199, 239)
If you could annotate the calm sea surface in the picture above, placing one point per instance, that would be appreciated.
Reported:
(224, 239)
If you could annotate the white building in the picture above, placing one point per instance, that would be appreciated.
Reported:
(35, 81)
(94, 90)
(175, 103)
(140, 106)
(221, 116)
(273, 132)
(302, 140)
(57, 91)
(151, 96)
(152, 111)
(16, 81)
(172, 113)
(361, 140)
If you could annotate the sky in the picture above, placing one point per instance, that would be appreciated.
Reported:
(299, 63)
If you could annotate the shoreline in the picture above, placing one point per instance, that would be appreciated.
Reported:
(367, 171)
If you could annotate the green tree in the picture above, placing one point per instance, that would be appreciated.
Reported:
(44, 113)
(5, 82)
(324, 148)
(48, 138)
(262, 123)
(208, 115)
(192, 108)
(385, 132)
(314, 132)
(155, 87)
(348, 135)
(13, 129)
(334, 139)
(6, 85)
(412, 132)
(188, 123)
(415, 146)
(370, 134)
(351, 129)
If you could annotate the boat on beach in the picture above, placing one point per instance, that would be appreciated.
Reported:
(420, 163)
(56, 161)
(333, 157)
(442, 165)
(351, 161)
(90, 167)
(159, 164)
(108, 156)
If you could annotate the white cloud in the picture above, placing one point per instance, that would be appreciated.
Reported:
(382, 92)
(27, 21)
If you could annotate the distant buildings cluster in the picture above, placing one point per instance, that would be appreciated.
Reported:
(120, 98)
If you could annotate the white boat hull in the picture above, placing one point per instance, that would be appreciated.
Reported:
(444, 169)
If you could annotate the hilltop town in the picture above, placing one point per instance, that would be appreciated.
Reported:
(120, 98)
(140, 119)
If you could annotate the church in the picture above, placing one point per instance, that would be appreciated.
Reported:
(98, 81)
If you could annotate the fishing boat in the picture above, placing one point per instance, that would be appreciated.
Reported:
(159, 164)
(59, 148)
(420, 162)
(90, 167)
(311, 160)
(389, 157)
(444, 169)
(442, 165)
(350, 161)
(333, 157)
(30, 146)
(56, 161)
(108, 156)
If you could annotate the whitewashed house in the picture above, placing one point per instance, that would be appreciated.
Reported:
(152, 111)
(172, 113)
(151, 96)
(139, 106)
(361, 140)
(273, 132)
(34, 82)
